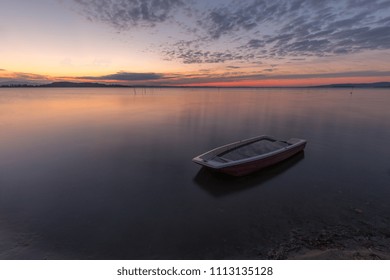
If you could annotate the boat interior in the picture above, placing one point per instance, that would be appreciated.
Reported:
(251, 149)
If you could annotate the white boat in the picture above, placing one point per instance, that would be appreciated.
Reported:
(250, 155)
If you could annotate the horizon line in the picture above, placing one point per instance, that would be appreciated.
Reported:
(382, 84)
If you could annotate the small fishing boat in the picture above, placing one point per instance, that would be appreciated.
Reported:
(247, 156)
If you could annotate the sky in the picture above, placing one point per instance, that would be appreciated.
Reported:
(195, 43)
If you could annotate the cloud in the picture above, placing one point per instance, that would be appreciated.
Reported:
(127, 14)
(327, 29)
(286, 29)
(124, 76)
(238, 16)
(25, 76)
(252, 30)
(7, 78)
(256, 43)
(190, 56)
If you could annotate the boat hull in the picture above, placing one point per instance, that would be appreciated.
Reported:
(256, 165)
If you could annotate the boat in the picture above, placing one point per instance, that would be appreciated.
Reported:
(249, 155)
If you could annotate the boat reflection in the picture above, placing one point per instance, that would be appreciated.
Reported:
(218, 184)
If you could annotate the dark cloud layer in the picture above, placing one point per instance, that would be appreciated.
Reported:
(22, 78)
(190, 56)
(255, 29)
(305, 28)
(124, 76)
(127, 14)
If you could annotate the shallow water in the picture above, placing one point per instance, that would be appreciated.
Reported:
(107, 173)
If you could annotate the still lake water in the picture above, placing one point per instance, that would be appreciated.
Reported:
(107, 173)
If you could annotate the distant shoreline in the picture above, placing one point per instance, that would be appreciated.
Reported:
(99, 85)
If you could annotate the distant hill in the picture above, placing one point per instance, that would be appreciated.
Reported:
(60, 85)
(18, 84)
(369, 85)
(72, 84)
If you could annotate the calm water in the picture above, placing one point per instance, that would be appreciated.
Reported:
(107, 173)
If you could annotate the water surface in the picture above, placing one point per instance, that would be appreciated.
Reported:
(107, 173)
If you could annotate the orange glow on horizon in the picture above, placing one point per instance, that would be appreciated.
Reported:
(291, 82)
(179, 79)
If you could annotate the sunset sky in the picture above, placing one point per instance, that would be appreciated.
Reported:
(179, 42)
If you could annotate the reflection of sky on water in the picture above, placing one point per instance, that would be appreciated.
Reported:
(98, 173)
